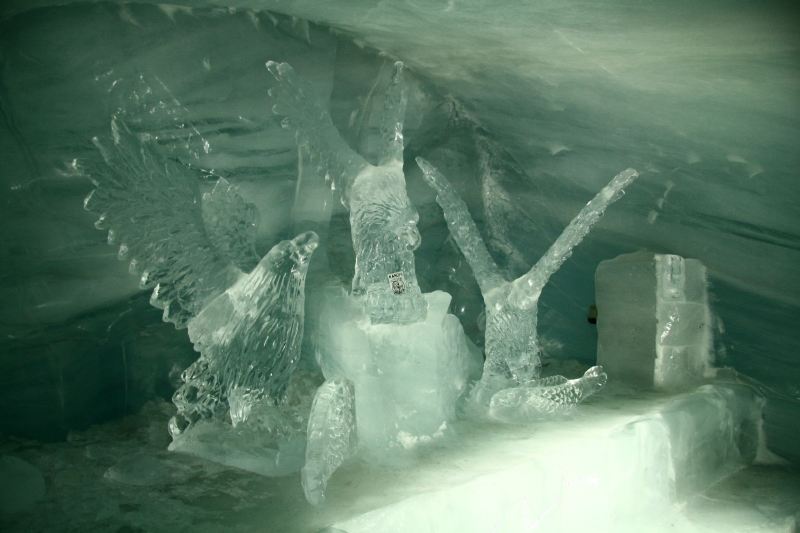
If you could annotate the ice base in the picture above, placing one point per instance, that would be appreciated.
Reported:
(242, 447)
(407, 377)
(620, 464)
(623, 461)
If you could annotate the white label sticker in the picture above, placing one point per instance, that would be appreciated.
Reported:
(397, 282)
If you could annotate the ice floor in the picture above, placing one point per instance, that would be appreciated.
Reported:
(622, 462)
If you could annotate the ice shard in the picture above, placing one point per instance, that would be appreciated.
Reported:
(512, 348)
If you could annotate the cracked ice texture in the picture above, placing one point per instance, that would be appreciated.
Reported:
(191, 249)
(512, 349)
(383, 221)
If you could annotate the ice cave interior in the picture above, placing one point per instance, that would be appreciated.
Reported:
(277, 265)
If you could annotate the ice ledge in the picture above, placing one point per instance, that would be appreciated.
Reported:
(622, 463)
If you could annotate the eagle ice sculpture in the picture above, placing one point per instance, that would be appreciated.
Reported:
(196, 252)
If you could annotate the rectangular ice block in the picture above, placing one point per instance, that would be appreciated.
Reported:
(654, 321)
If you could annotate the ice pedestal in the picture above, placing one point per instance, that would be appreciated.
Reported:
(621, 464)
(407, 377)
(654, 321)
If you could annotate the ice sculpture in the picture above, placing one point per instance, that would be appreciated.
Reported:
(511, 371)
(244, 315)
(394, 359)
(382, 220)
(544, 397)
(654, 321)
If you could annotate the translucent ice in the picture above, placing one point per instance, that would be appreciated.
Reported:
(391, 379)
(407, 377)
(394, 386)
(191, 249)
(249, 336)
(331, 437)
(545, 397)
(512, 350)
(382, 220)
(654, 320)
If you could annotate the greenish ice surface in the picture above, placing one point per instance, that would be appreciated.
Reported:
(528, 109)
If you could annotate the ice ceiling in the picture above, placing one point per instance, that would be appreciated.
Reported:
(529, 107)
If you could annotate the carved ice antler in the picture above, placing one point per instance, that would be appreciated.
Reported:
(463, 229)
(527, 288)
(512, 351)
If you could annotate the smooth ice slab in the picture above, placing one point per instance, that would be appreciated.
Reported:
(654, 321)
(619, 465)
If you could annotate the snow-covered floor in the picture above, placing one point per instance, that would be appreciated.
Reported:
(622, 462)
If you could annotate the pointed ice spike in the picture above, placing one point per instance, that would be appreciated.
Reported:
(463, 229)
(526, 289)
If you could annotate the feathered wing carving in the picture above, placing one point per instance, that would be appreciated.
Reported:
(230, 222)
(244, 315)
(308, 117)
(151, 208)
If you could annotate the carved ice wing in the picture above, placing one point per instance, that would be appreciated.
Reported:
(230, 222)
(393, 117)
(151, 209)
(463, 229)
(293, 99)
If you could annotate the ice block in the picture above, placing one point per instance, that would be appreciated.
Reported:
(654, 320)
